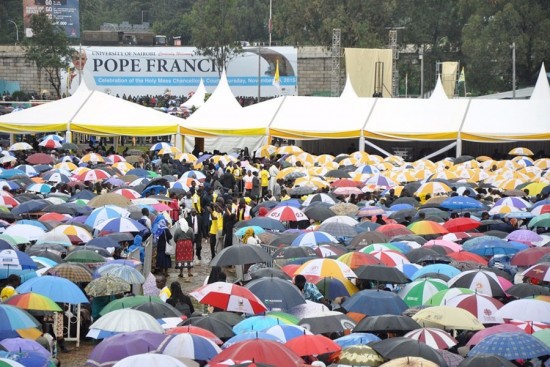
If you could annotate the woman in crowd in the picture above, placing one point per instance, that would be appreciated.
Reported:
(183, 236)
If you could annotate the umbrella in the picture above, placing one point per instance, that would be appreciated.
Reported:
(312, 239)
(448, 318)
(482, 334)
(391, 230)
(190, 346)
(39, 158)
(14, 318)
(538, 271)
(25, 358)
(357, 259)
(120, 225)
(219, 328)
(404, 347)
(27, 231)
(486, 360)
(338, 229)
(427, 227)
(286, 214)
(385, 323)
(327, 322)
(318, 212)
(529, 256)
(381, 273)
(356, 338)
(107, 285)
(483, 282)
(230, 297)
(76, 273)
(309, 345)
(294, 252)
(359, 355)
(255, 323)
(461, 203)
(374, 303)
(511, 345)
(159, 310)
(262, 351)
(122, 345)
(461, 224)
(276, 293)
(33, 301)
(150, 360)
(109, 199)
(421, 290)
(435, 338)
(542, 220)
(483, 307)
(16, 260)
(58, 289)
(524, 290)
(128, 302)
(524, 236)
(526, 310)
(410, 362)
(331, 288)
(24, 345)
(263, 222)
(127, 320)
(326, 267)
(196, 331)
(543, 336)
(84, 256)
(285, 332)
(250, 335)
(239, 255)
(127, 273)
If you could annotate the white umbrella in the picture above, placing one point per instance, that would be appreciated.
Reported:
(27, 231)
(53, 237)
(341, 219)
(127, 320)
(526, 310)
(150, 360)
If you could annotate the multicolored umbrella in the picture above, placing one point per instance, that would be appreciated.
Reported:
(230, 297)
(326, 268)
(120, 225)
(33, 301)
(480, 281)
(312, 239)
(14, 318)
(285, 332)
(427, 227)
(57, 288)
(483, 307)
(190, 346)
(435, 338)
(538, 271)
(286, 214)
(420, 291)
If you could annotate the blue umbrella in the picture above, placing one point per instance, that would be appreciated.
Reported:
(375, 302)
(512, 346)
(276, 293)
(285, 332)
(398, 207)
(367, 226)
(33, 223)
(255, 323)
(403, 246)
(203, 157)
(241, 231)
(120, 225)
(154, 190)
(23, 274)
(28, 358)
(410, 269)
(13, 318)
(444, 269)
(139, 172)
(251, 335)
(291, 202)
(31, 206)
(265, 223)
(461, 203)
(14, 259)
(356, 339)
(103, 242)
(493, 247)
(57, 288)
(312, 239)
(9, 173)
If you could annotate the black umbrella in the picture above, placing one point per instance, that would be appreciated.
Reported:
(240, 255)
(418, 253)
(523, 290)
(397, 347)
(386, 323)
(435, 212)
(276, 293)
(121, 236)
(462, 159)
(367, 238)
(337, 173)
(31, 206)
(409, 190)
(318, 212)
(284, 239)
(401, 215)
(366, 226)
(27, 197)
(326, 322)
(301, 190)
(99, 250)
(409, 237)
(292, 252)
(55, 247)
(60, 208)
(436, 276)
(407, 200)
(222, 329)
(44, 252)
(496, 233)
(231, 318)
(381, 273)
(69, 146)
(103, 242)
(269, 273)
(486, 360)
(158, 310)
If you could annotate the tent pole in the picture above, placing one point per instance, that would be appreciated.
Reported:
(459, 135)
(362, 138)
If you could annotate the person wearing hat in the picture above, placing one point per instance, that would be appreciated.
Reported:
(183, 236)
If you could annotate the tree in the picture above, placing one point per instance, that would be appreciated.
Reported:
(214, 31)
(49, 49)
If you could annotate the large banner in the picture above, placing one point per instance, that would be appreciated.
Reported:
(64, 13)
(178, 70)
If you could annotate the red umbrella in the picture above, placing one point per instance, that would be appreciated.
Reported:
(482, 307)
(529, 256)
(435, 338)
(458, 236)
(540, 272)
(467, 256)
(309, 345)
(461, 224)
(261, 351)
(286, 214)
(39, 158)
(230, 297)
(392, 230)
(197, 331)
(290, 269)
(346, 182)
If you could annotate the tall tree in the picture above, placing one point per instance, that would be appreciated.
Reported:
(213, 30)
(49, 49)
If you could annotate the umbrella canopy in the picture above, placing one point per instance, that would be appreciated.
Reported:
(309, 345)
(286, 214)
(16, 260)
(127, 273)
(410, 362)
(230, 297)
(24, 345)
(276, 293)
(263, 222)
(159, 310)
(427, 227)
(326, 268)
(195, 330)
(84, 256)
(190, 346)
(483, 307)
(327, 322)
(313, 239)
(483, 282)
(128, 302)
(529, 256)
(435, 338)
(286, 332)
(14, 318)
(482, 334)
(150, 360)
(511, 345)
(76, 273)
(375, 302)
(239, 255)
(381, 274)
(421, 290)
(524, 290)
(33, 301)
(404, 347)
(538, 271)
(359, 355)
(219, 328)
(445, 317)
(260, 351)
(526, 310)
(123, 345)
(127, 320)
(58, 289)
(386, 323)
(486, 360)
(107, 285)
(356, 339)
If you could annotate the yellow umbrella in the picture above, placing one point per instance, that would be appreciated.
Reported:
(520, 151)
(403, 176)
(348, 162)
(423, 164)
(468, 164)
(225, 159)
(483, 158)
(536, 187)
(446, 175)
(315, 182)
(289, 149)
(395, 159)
(286, 171)
(324, 159)
(305, 158)
(69, 166)
(326, 268)
(92, 158)
(432, 188)
(266, 151)
(123, 166)
(409, 362)
(385, 166)
(510, 184)
(187, 156)
(80, 170)
(372, 159)
(359, 154)
(542, 163)
(508, 164)
(446, 317)
(169, 150)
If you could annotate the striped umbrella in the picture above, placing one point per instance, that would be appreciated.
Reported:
(190, 346)
(441, 298)
(483, 282)
(312, 239)
(286, 214)
(482, 307)
(230, 297)
(435, 338)
(390, 257)
(418, 292)
(326, 268)
(33, 301)
(286, 332)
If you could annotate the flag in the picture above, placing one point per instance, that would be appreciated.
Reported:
(276, 81)
(461, 78)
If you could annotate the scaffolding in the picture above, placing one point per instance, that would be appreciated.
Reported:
(395, 57)
(336, 55)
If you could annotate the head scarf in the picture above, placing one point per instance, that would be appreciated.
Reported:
(138, 241)
(159, 225)
(249, 233)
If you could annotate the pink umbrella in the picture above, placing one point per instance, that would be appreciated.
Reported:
(444, 243)
(524, 236)
(504, 283)
(503, 328)
(346, 191)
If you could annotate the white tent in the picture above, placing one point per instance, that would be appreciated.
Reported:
(197, 99)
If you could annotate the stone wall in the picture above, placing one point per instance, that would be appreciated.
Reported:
(15, 68)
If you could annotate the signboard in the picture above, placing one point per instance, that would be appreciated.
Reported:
(178, 70)
(64, 13)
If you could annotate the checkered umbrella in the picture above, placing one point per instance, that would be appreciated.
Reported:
(76, 273)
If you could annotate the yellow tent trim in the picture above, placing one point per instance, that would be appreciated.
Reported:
(496, 139)
(223, 132)
(283, 133)
(124, 130)
(18, 129)
(451, 135)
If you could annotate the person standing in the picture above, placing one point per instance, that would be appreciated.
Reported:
(180, 300)
(194, 222)
(162, 236)
(273, 172)
(183, 236)
(256, 188)
(229, 221)
(206, 204)
(264, 180)
(247, 182)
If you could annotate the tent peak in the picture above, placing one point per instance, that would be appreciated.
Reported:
(349, 91)
(439, 91)
(542, 89)
(197, 99)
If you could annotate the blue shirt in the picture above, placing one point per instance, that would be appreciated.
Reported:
(311, 293)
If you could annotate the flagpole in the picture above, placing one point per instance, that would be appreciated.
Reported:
(270, 20)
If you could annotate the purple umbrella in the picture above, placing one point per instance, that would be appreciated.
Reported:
(24, 345)
(524, 236)
(120, 346)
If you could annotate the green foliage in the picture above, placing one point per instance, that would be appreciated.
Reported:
(48, 49)
(11, 10)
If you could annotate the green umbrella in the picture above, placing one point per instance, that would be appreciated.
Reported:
(107, 285)
(543, 335)
(284, 317)
(441, 297)
(542, 220)
(128, 302)
(418, 292)
(84, 256)
(380, 247)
